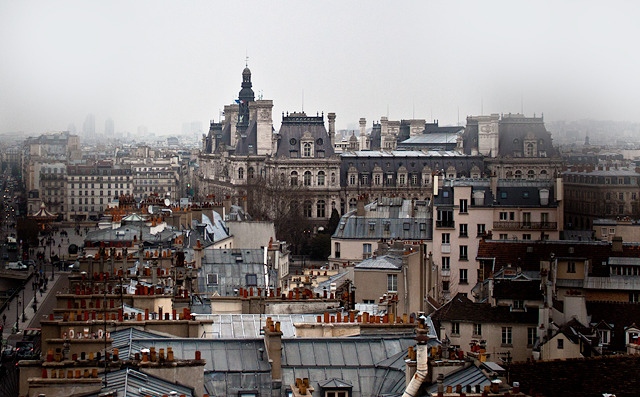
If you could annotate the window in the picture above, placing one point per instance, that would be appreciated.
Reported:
(604, 335)
(365, 180)
(251, 173)
(294, 178)
(560, 344)
(306, 209)
(306, 149)
(446, 263)
(240, 173)
(621, 196)
(352, 179)
(531, 336)
(526, 218)
(504, 236)
(571, 267)
(366, 250)
(507, 336)
(321, 178)
(336, 393)
(634, 297)
(307, 178)
(320, 209)
(463, 252)
(526, 237)
(212, 279)
(376, 179)
(414, 179)
(503, 216)
(337, 250)
(463, 205)
(392, 283)
(446, 238)
(518, 304)
(455, 328)
(463, 230)
(445, 286)
(402, 179)
(477, 329)
(463, 276)
(481, 229)
(252, 280)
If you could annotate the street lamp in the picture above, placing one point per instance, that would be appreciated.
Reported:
(17, 315)
(24, 318)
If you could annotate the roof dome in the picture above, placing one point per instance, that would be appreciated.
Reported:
(246, 72)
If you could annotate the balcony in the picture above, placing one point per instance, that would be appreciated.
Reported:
(511, 225)
(446, 224)
(445, 272)
(445, 248)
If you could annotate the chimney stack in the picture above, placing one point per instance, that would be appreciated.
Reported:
(332, 128)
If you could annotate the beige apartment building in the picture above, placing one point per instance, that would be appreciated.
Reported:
(467, 210)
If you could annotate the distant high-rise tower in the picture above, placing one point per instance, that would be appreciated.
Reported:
(108, 127)
(89, 126)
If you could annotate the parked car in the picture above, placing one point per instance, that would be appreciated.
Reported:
(8, 354)
(16, 266)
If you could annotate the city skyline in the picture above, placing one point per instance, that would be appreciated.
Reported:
(159, 67)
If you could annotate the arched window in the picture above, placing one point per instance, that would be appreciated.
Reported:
(240, 173)
(306, 149)
(518, 174)
(251, 173)
(543, 174)
(294, 178)
(531, 174)
(529, 149)
(320, 209)
(321, 178)
(307, 178)
(306, 208)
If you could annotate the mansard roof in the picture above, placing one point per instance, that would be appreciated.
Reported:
(247, 144)
(515, 129)
(298, 126)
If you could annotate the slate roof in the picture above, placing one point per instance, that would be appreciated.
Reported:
(470, 376)
(620, 314)
(294, 127)
(356, 227)
(131, 383)
(462, 309)
(374, 365)
(509, 193)
(513, 129)
(528, 254)
(232, 266)
(247, 143)
(232, 326)
(126, 232)
(125, 340)
(517, 290)
(413, 160)
(384, 262)
(360, 361)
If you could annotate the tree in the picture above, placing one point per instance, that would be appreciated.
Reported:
(279, 201)
(334, 221)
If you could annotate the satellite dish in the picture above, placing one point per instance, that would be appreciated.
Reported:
(167, 202)
(150, 209)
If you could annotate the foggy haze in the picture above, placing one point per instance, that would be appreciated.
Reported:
(161, 64)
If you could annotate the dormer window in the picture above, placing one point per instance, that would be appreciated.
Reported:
(306, 149)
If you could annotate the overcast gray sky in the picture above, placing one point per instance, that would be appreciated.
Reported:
(162, 63)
